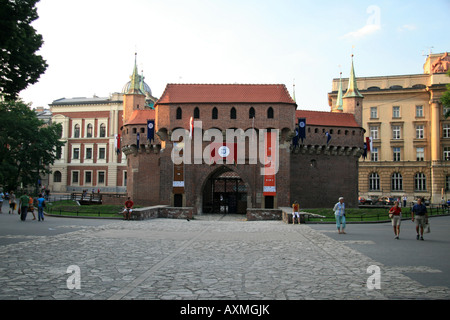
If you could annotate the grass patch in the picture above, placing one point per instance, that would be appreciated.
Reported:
(71, 208)
(354, 214)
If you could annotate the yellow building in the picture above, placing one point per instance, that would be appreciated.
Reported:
(410, 137)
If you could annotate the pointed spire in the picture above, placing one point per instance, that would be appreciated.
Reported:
(352, 90)
(135, 80)
(339, 101)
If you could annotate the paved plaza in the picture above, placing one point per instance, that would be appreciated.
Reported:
(219, 257)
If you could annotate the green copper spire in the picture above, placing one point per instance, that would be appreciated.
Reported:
(339, 101)
(135, 84)
(352, 90)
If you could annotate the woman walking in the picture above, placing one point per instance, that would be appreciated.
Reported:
(339, 212)
(395, 213)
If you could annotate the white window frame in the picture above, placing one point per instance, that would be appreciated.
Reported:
(84, 178)
(446, 130)
(420, 182)
(396, 112)
(101, 121)
(374, 132)
(373, 112)
(419, 112)
(98, 178)
(420, 154)
(71, 178)
(397, 154)
(100, 146)
(374, 154)
(396, 132)
(420, 131)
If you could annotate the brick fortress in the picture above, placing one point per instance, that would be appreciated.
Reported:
(315, 170)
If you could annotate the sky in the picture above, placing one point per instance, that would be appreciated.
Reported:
(90, 45)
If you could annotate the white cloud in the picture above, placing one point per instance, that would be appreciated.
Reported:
(407, 27)
(368, 29)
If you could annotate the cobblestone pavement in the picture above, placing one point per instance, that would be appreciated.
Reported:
(211, 257)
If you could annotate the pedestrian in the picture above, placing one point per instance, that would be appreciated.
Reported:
(12, 202)
(339, 212)
(295, 212)
(41, 205)
(128, 209)
(395, 213)
(31, 207)
(404, 201)
(2, 197)
(419, 214)
(23, 206)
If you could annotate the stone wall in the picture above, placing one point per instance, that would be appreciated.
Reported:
(161, 212)
(263, 214)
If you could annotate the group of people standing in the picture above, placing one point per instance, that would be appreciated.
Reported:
(27, 204)
(419, 215)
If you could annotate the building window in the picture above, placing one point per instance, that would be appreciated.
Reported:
(251, 113)
(396, 112)
(101, 153)
(397, 152)
(396, 132)
(233, 113)
(196, 113)
(419, 111)
(447, 183)
(420, 154)
(101, 177)
(446, 130)
(374, 154)
(446, 153)
(89, 131)
(87, 177)
(419, 131)
(215, 113)
(374, 182)
(102, 130)
(446, 109)
(76, 153)
(373, 112)
(57, 176)
(88, 153)
(76, 131)
(420, 182)
(270, 113)
(373, 132)
(396, 182)
(179, 113)
(75, 177)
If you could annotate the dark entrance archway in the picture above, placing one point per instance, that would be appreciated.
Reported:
(225, 192)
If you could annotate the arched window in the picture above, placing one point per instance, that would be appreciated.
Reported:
(374, 182)
(76, 131)
(420, 182)
(89, 131)
(102, 130)
(196, 113)
(270, 113)
(251, 113)
(215, 113)
(233, 113)
(396, 182)
(57, 176)
(179, 113)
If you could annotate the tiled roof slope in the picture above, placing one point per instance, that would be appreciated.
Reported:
(323, 118)
(225, 93)
(141, 117)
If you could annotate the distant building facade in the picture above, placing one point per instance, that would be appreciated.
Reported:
(410, 137)
(91, 158)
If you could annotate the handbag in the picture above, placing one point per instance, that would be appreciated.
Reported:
(391, 215)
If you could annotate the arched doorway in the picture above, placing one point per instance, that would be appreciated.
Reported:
(225, 192)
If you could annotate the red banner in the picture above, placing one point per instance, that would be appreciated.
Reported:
(269, 188)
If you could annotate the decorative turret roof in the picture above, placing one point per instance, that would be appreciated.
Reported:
(339, 101)
(352, 90)
(136, 85)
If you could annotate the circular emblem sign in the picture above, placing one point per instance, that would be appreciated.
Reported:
(224, 151)
(150, 125)
(302, 124)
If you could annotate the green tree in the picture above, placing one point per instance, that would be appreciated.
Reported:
(19, 41)
(27, 145)
(445, 99)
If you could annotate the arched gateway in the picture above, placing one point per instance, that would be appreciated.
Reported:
(224, 191)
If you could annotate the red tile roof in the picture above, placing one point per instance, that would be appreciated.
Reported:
(225, 93)
(141, 116)
(329, 119)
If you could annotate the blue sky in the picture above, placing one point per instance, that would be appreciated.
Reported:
(90, 45)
